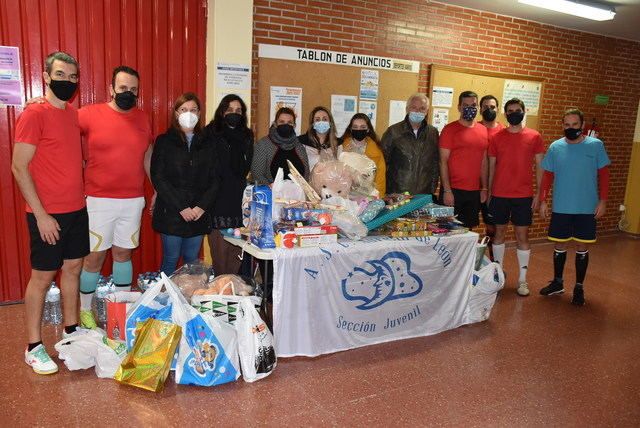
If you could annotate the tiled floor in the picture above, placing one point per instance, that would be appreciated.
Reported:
(536, 362)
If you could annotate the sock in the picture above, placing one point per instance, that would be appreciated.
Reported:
(70, 328)
(122, 275)
(582, 261)
(33, 346)
(523, 263)
(88, 284)
(498, 253)
(559, 257)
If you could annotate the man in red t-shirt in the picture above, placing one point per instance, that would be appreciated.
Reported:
(512, 152)
(489, 111)
(117, 150)
(47, 166)
(463, 162)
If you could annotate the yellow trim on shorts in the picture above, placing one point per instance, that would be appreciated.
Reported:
(584, 241)
(100, 239)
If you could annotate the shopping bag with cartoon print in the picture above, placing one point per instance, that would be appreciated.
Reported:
(208, 350)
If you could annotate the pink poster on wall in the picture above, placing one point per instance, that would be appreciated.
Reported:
(10, 87)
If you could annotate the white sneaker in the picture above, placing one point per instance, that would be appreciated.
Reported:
(523, 289)
(40, 361)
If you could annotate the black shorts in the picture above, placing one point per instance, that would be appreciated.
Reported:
(516, 210)
(577, 227)
(467, 206)
(487, 218)
(73, 243)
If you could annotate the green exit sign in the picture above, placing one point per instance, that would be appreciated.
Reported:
(602, 100)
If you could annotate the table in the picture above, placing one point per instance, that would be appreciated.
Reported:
(358, 293)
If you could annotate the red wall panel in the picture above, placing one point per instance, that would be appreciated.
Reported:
(163, 39)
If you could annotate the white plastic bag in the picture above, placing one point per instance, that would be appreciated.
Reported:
(485, 284)
(208, 349)
(89, 349)
(255, 343)
(284, 190)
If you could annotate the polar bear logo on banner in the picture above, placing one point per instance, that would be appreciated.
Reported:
(382, 280)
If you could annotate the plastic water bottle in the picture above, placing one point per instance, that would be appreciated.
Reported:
(52, 307)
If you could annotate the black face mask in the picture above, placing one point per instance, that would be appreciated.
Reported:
(515, 118)
(489, 115)
(63, 89)
(125, 100)
(359, 134)
(572, 133)
(285, 130)
(233, 119)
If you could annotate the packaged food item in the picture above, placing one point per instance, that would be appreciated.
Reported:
(317, 240)
(261, 226)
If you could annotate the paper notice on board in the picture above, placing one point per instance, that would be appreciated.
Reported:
(369, 80)
(525, 90)
(233, 76)
(397, 111)
(440, 118)
(370, 109)
(343, 107)
(442, 96)
(10, 87)
(283, 96)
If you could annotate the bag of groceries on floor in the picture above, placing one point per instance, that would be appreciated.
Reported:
(221, 298)
(149, 362)
(118, 304)
(89, 349)
(485, 284)
(156, 303)
(255, 343)
(208, 353)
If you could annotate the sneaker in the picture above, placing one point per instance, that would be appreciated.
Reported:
(578, 296)
(554, 287)
(523, 289)
(87, 320)
(40, 361)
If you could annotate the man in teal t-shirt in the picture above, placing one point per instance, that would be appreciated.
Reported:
(577, 166)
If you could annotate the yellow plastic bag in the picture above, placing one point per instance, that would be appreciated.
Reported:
(147, 365)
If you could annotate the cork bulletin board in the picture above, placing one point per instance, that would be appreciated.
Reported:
(488, 83)
(319, 81)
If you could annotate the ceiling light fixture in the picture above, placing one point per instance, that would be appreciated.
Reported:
(597, 13)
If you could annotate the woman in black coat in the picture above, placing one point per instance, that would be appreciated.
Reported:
(233, 144)
(184, 173)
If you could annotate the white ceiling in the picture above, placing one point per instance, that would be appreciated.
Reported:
(625, 25)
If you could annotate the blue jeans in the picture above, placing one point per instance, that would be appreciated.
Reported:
(175, 246)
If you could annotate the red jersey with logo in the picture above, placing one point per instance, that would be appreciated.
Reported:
(114, 148)
(56, 166)
(515, 154)
(467, 146)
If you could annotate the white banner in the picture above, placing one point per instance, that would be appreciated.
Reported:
(354, 294)
(340, 58)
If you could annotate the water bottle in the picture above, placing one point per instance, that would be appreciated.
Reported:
(52, 307)
(99, 303)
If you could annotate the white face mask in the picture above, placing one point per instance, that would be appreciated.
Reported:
(188, 120)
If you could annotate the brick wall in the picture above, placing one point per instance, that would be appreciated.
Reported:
(575, 66)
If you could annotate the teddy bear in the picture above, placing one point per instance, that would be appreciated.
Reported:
(332, 178)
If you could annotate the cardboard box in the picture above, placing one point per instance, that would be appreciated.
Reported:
(317, 240)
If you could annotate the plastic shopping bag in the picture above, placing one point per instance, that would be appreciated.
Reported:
(208, 353)
(255, 343)
(154, 303)
(118, 304)
(485, 284)
(147, 365)
(92, 348)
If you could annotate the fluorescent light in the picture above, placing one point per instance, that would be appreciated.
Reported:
(572, 8)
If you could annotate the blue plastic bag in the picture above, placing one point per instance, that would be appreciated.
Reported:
(208, 350)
